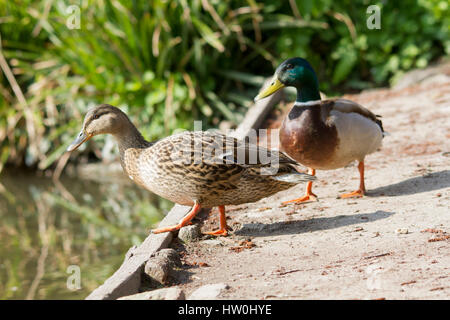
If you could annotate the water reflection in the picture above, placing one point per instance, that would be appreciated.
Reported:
(47, 227)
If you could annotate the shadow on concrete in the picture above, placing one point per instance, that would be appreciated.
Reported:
(310, 225)
(429, 182)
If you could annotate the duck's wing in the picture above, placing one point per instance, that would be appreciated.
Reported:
(247, 154)
(214, 148)
(212, 156)
(348, 106)
(260, 161)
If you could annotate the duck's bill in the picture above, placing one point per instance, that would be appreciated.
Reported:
(81, 138)
(274, 86)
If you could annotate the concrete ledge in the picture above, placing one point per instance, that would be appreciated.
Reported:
(127, 279)
(257, 113)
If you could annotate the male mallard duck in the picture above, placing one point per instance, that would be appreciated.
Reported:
(323, 134)
(198, 169)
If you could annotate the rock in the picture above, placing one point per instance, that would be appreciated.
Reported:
(189, 233)
(159, 266)
(209, 291)
(172, 293)
(171, 255)
(401, 231)
(128, 278)
(158, 269)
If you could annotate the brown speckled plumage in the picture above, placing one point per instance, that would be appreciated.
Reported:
(175, 170)
(204, 168)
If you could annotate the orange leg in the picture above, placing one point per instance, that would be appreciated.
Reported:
(195, 209)
(309, 195)
(362, 188)
(223, 224)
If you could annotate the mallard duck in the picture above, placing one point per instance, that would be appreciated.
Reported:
(323, 134)
(198, 169)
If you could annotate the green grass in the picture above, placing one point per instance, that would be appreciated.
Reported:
(168, 63)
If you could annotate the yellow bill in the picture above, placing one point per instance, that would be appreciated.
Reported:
(274, 86)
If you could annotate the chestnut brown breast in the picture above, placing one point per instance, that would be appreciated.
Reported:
(306, 138)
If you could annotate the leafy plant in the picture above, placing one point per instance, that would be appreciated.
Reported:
(349, 55)
(161, 61)
(167, 63)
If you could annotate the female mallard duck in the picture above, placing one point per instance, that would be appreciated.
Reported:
(198, 169)
(323, 134)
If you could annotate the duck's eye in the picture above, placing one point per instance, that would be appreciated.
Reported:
(289, 66)
(96, 116)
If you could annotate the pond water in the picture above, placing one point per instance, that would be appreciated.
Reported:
(60, 240)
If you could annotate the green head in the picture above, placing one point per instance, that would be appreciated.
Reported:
(294, 72)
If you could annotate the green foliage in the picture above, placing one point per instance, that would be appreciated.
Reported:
(168, 63)
(350, 55)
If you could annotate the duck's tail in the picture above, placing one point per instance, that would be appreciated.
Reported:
(380, 124)
(294, 177)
